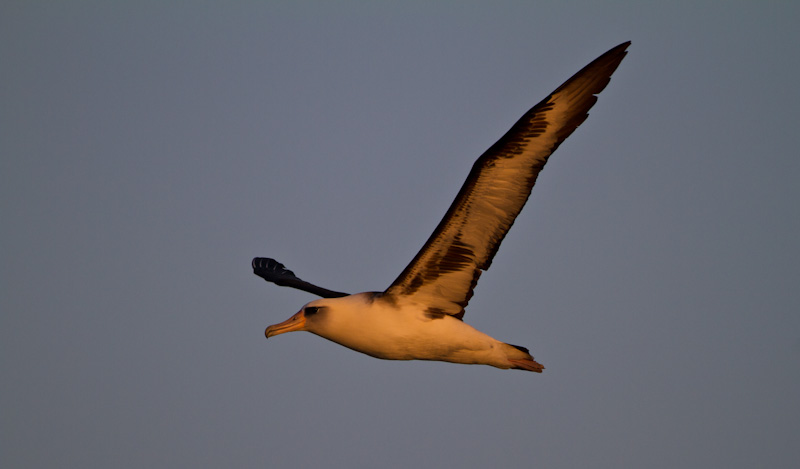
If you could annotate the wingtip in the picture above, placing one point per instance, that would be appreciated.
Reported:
(266, 263)
(271, 270)
(620, 47)
(620, 51)
(597, 74)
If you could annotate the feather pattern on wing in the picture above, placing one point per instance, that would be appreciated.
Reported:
(445, 271)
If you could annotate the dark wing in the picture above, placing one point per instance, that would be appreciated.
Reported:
(275, 272)
(445, 271)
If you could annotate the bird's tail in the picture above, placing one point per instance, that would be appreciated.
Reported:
(521, 359)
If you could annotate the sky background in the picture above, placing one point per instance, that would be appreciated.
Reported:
(149, 150)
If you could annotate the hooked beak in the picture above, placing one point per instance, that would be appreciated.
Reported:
(294, 323)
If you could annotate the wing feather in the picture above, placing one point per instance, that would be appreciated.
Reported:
(445, 271)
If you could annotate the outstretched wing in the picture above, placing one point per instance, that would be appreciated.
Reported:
(277, 273)
(445, 271)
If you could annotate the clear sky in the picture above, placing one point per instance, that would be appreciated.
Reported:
(149, 150)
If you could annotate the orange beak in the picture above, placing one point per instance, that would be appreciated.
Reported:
(294, 323)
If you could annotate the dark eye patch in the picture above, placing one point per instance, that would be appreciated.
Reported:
(310, 310)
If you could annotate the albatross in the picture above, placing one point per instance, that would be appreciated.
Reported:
(420, 316)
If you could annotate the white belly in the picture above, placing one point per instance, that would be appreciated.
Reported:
(391, 333)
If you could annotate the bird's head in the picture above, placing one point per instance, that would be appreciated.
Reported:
(304, 320)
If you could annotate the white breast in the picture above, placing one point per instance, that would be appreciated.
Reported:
(369, 324)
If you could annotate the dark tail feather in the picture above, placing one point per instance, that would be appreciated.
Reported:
(527, 364)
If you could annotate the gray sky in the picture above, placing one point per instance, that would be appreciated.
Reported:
(150, 150)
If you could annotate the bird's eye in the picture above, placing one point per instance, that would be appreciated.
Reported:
(311, 310)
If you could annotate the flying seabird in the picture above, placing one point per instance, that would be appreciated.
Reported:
(420, 315)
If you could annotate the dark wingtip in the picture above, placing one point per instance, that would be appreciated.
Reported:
(619, 48)
(274, 272)
(271, 267)
(266, 263)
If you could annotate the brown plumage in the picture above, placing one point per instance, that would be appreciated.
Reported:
(448, 266)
